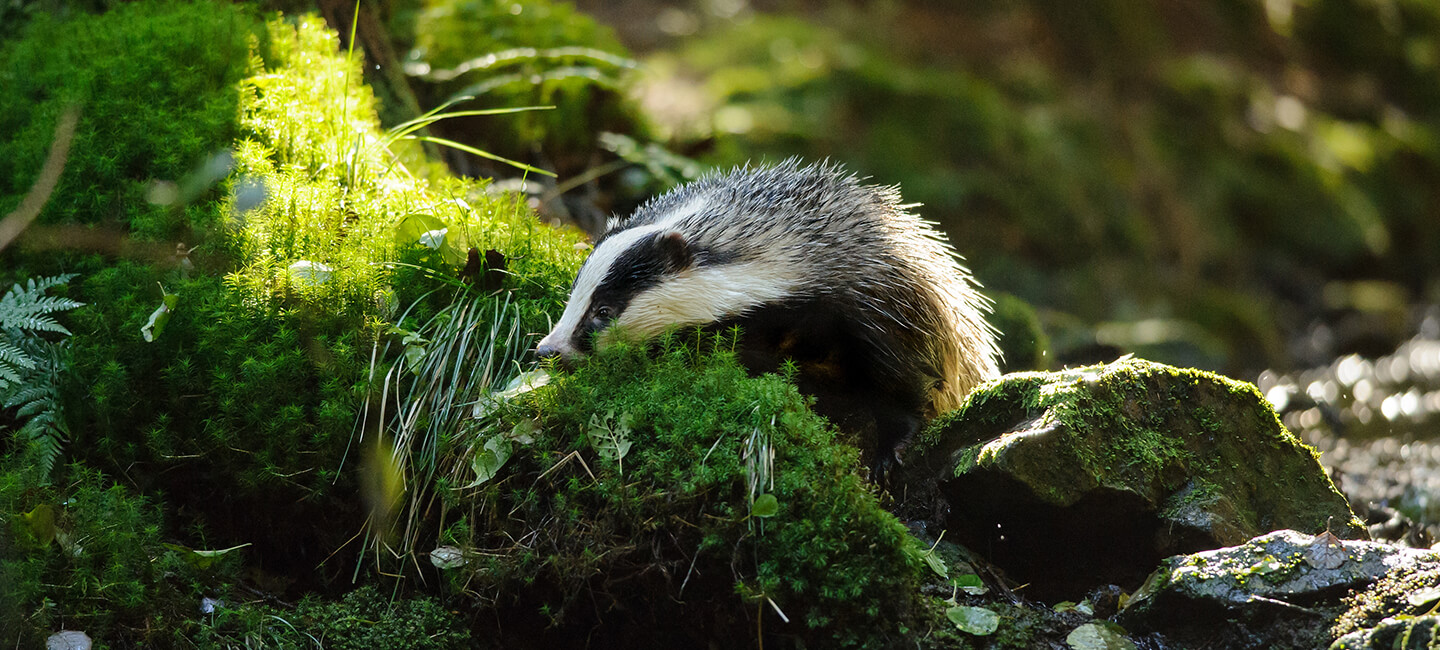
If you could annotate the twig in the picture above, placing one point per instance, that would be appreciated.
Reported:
(44, 185)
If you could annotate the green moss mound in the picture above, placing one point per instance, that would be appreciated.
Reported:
(278, 236)
(90, 555)
(142, 119)
(667, 532)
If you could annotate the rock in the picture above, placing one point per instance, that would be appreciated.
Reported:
(1284, 572)
(1408, 632)
(68, 640)
(1091, 476)
(1397, 611)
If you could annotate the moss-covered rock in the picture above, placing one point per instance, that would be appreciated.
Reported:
(1399, 632)
(1275, 584)
(1092, 475)
(1397, 605)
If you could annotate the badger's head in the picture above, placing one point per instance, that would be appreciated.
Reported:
(667, 272)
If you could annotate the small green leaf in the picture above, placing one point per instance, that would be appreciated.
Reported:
(524, 431)
(1423, 597)
(152, 328)
(970, 584)
(765, 506)
(489, 459)
(202, 559)
(937, 564)
(432, 233)
(1268, 565)
(413, 227)
(414, 357)
(40, 523)
(974, 620)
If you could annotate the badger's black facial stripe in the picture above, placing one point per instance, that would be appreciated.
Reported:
(634, 270)
(637, 269)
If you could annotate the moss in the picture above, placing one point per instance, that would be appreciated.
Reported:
(677, 504)
(103, 567)
(361, 620)
(249, 396)
(545, 54)
(335, 196)
(102, 64)
(1387, 597)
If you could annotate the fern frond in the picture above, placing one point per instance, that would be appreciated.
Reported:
(10, 374)
(12, 354)
(30, 366)
(36, 409)
(38, 286)
(23, 307)
(23, 395)
(46, 437)
(56, 303)
(37, 404)
(38, 323)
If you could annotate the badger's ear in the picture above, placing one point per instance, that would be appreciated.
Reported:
(674, 251)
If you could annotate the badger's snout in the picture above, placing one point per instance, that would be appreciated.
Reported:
(551, 347)
(546, 351)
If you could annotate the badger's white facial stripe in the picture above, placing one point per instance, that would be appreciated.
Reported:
(597, 268)
(706, 294)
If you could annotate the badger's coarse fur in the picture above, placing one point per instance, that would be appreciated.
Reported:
(883, 322)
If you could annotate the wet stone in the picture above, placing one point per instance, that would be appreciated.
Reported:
(1069, 480)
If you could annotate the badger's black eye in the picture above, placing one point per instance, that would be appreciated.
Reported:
(603, 313)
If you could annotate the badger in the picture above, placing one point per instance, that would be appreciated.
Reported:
(884, 325)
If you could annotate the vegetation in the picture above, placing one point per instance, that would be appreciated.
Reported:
(30, 368)
(290, 408)
(648, 472)
(100, 63)
(531, 54)
(362, 619)
(221, 356)
(88, 555)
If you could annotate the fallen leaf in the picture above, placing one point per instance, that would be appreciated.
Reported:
(1099, 636)
(974, 620)
(1326, 551)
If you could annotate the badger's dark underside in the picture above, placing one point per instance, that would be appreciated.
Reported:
(860, 380)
